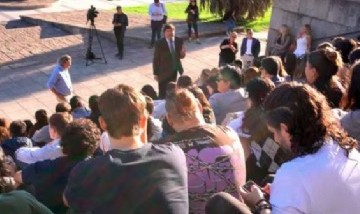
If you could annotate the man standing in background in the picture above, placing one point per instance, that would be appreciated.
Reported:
(60, 82)
(250, 49)
(166, 63)
(120, 22)
(157, 12)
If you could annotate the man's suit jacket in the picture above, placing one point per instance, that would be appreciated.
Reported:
(163, 65)
(255, 47)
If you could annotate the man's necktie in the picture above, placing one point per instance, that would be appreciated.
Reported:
(172, 49)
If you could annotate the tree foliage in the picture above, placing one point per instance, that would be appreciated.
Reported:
(244, 9)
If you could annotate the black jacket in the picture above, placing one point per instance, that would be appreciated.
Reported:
(255, 47)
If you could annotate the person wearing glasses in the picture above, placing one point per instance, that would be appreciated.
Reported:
(228, 50)
(192, 17)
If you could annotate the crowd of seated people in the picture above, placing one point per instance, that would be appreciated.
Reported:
(280, 136)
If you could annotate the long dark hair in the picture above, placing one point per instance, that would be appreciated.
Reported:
(253, 122)
(353, 95)
(314, 120)
(327, 62)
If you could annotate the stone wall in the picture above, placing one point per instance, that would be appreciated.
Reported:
(326, 17)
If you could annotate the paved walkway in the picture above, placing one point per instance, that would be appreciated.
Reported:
(31, 52)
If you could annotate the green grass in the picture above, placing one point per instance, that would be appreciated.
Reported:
(260, 24)
(176, 11)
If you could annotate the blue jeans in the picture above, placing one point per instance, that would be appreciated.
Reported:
(230, 25)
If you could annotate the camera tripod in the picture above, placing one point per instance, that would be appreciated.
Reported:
(90, 56)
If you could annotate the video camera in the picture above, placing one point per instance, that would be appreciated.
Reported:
(92, 14)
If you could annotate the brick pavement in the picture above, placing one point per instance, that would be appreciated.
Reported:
(25, 43)
(23, 86)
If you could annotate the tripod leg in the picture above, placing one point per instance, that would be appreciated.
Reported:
(102, 51)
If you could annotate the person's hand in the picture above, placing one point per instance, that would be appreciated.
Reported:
(192, 11)
(156, 78)
(266, 188)
(251, 198)
(182, 52)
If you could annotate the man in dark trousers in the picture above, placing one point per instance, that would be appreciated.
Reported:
(250, 49)
(166, 63)
(120, 21)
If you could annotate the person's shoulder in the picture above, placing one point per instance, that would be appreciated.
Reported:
(165, 148)
(161, 42)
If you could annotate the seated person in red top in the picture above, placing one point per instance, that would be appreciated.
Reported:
(49, 177)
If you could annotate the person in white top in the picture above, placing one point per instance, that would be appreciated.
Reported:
(52, 150)
(303, 42)
(157, 12)
(323, 174)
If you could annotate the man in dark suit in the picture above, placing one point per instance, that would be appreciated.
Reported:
(166, 63)
(250, 49)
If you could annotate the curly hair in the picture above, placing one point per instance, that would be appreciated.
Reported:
(313, 120)
(80, 139)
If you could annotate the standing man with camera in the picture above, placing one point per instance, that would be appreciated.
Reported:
(158, 17)
(120, 22)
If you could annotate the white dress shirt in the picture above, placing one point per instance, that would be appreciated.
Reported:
(248, 46)
(50, 151)
(157, 12)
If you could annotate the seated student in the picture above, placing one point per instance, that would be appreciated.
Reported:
(13, 201)
(135, 176)
(4, 134)
(184, 81)
(323, 174)
(18, 138)
(149, 91)
(94, 109)
(214, 156)
(50, 151)
(207, 111)
(231, 98)
(78, 110)
(154, 129)
(351, 121)
(42, 136)
(263, 155)
(270, 69)
(20, 202)
(79, 141)
(321, 69)
(41, 121)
